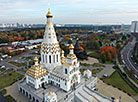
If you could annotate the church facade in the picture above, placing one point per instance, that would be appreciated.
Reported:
(54, 77)
(54, 68)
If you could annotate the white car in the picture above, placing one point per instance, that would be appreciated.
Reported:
(3, 67)
(105, 75)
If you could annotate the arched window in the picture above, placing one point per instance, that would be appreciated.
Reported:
(21, 89)
(49, 58)
(54, 58)
(30, 96)
(46, 58)
(27, 94)
(65, 71)
(74, 63)
(57, 58)
(43, 58)
(33, 99)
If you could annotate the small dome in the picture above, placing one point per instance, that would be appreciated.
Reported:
(50, 93)
(49, 14)
(35, 59)
(62, 52)
(71, 47)
(87, 70)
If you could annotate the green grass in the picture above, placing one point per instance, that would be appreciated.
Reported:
(95, 71)
(116, 80)
(17, 64)
(94, 54)
(109, 62)
(24, 70)
(3, 92)
(7, 70)
(1, 70)
(9, 98)
(9, 79)
(35, 53)
(132, 77)
(26, 58)
(82, 70)
(85, 64)
(98, 65)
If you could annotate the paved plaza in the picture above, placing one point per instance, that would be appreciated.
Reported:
(110, 91)
(14, 92)
(90, 60)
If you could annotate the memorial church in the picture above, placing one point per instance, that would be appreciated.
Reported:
(54, 77)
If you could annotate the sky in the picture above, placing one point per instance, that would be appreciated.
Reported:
(69, 11)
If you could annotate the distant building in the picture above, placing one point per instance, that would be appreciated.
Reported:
(134, 27)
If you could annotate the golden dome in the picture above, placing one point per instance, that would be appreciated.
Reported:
(87, 70)
(35, 59)
(71, 47)
(50, 93)
(62, 52)
(49, 14)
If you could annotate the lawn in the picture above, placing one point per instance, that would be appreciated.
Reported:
(98, 65)
(109, 62)
(117, 81)
(7, 70)
(3, 92)
(94, 54)
(9, 79)
(132, 77)
(85, 64)
(10, 99)
(17, 64)
(95, 71)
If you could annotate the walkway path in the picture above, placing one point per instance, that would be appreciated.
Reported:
(110, 91)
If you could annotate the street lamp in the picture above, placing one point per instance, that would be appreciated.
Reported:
(120, 99)
(74, 91)
(85, 82)
(43, 96)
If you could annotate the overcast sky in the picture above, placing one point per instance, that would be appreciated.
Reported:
(69, 11)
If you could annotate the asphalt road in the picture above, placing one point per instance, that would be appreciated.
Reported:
(126, 54)
(108, 69)
(18, 59)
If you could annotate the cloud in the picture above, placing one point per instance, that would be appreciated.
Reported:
(69, 11)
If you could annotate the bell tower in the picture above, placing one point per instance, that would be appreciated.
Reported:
(50, 49)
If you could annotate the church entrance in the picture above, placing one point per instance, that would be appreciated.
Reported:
(43, 85)
(74, 85)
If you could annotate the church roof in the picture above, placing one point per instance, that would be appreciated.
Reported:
(36, 70)
(77, 45)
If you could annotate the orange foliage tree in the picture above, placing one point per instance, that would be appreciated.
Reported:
(108, 52)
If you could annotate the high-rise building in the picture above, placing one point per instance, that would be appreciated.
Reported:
(134, 27)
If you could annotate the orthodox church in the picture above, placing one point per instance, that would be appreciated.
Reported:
(54, 68)
(53, 78)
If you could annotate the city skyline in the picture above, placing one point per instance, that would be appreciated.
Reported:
(69, 12)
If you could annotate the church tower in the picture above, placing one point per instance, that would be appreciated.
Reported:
(50, 49)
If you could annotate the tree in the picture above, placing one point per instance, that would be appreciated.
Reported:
(109, 52)
(5, 50)
(131, 72)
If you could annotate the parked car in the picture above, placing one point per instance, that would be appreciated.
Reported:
(3, 67)
(105, 76)
(95, 89)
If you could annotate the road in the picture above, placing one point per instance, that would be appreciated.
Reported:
(19, 60)
(126, 54)
(108, 69)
